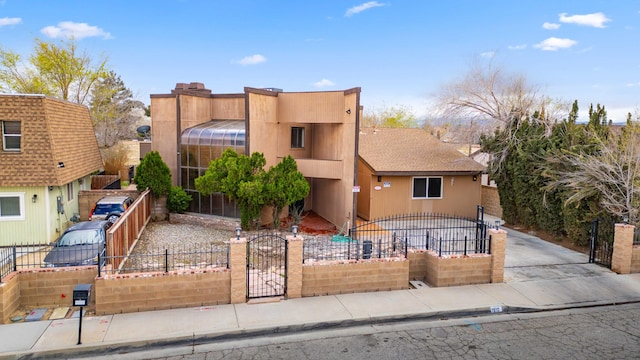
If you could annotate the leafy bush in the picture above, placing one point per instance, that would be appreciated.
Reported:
(178, 200)
(154, 174)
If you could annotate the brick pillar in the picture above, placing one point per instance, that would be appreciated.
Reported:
(294, 267)
(622, 248)
(238, 266)
(498, 251)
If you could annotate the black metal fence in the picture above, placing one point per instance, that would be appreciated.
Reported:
(13, 258)
(347, 248)
(394, 236)
(601, 235)
(17, 257)
(443, 234)
(167, 259)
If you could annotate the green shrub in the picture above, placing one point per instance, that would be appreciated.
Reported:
(178, 200)
(154, 174)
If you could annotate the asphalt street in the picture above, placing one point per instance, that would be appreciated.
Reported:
(610, 332)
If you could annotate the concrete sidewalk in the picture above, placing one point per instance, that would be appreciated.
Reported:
(144, 330)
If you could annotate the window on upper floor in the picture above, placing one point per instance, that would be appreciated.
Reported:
(297, 138)
(11, 135)
(427, 188)
(11, 206)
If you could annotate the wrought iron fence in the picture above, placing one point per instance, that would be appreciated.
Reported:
(443, 234)
(17, 257)
(26, 256)
(601, 235)
(168, 259)
(346, 248)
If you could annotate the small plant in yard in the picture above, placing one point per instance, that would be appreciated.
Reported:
(154, 174)
(296, 214)
(178, 200)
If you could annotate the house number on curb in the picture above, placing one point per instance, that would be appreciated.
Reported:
(496, 309)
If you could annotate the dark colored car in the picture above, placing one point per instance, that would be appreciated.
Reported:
(110, 208)
(79, 245)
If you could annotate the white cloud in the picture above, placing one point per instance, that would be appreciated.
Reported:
(252, 60)
(362, 7)
(550, 26)
(554, 43)
(517, 47)
(596, 19)
(488, 54)
(633, 84)
(323, 83)
(9, 21)
(70, 29)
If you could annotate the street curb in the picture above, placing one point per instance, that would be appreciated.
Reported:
(204, 338)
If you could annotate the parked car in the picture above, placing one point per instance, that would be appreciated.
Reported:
(79, 245)
(110, 208)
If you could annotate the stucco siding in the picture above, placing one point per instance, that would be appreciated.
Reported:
(164, 137)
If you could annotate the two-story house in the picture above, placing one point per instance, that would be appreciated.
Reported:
(48, 150)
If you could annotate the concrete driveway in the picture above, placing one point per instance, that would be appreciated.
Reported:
(530, 258)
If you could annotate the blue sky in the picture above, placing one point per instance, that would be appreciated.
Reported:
(399, 52)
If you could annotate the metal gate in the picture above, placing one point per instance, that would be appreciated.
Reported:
(601, 242)
(266, 266)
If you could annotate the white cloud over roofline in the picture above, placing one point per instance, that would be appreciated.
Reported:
(251, 60)
(323, 83)
(362, 7)
(554, 43)
(70, 29)
(6, 21)
(597, 20)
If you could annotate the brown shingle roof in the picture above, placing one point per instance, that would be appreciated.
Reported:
(411, 151)
(53, 131)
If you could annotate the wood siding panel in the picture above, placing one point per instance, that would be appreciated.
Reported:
(163, 129)
(312, 107)
(228, 108)
(33, 229)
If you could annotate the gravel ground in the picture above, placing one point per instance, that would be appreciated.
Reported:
(162, 235)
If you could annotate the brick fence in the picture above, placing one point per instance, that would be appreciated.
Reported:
(42, 288)
(191, 288)
(626, 255)
(491, 201)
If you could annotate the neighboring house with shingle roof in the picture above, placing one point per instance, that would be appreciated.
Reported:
(407, 170)
(48, 150)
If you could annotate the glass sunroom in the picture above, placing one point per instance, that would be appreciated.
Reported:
(198, 146)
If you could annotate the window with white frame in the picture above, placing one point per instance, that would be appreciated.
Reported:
(427, 187)
(11, 206)
(11, 135)
(297, 138)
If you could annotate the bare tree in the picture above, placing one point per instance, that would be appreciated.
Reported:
(613, 174)
(488, 92)
(114, 112)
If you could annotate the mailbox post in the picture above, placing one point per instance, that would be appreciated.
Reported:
(81, 295)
